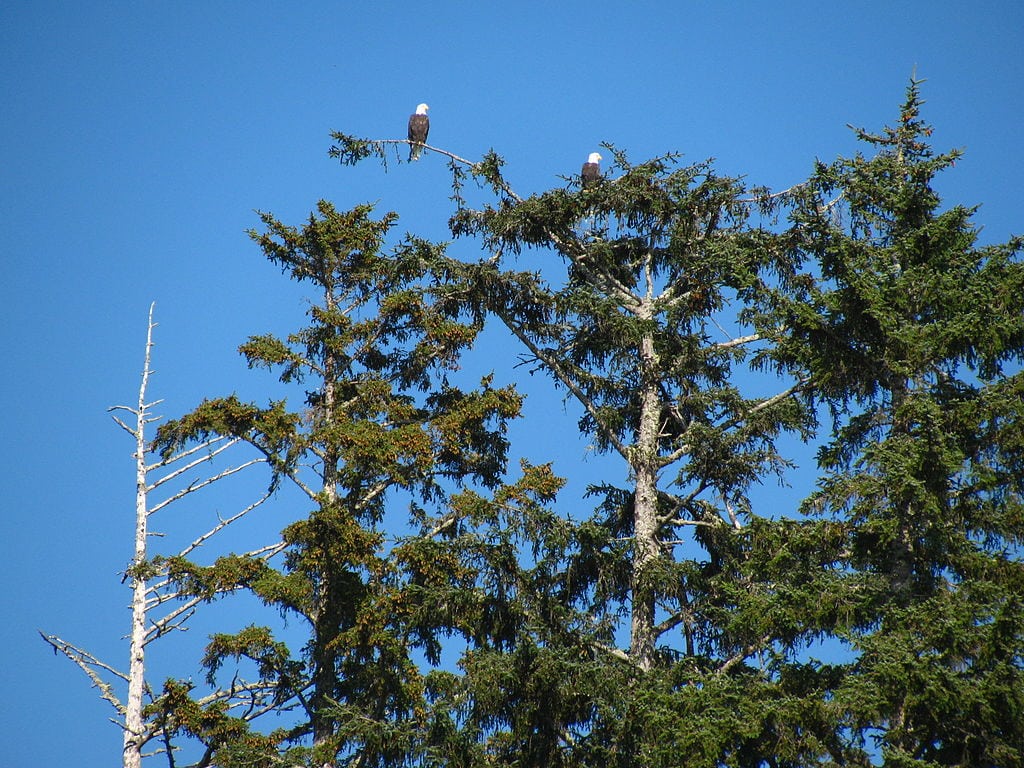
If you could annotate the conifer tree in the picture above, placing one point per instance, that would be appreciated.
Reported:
(914, 337)
(454, 617)
(380, 428)
(693, 328)
(659, 263)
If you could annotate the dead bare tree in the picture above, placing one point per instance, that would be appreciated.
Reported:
(158, 606)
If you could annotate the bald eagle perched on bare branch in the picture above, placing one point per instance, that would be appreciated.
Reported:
(591, 170)
(419, 127)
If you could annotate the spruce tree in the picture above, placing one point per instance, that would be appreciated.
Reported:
(914, 336)
(695, 320)
(454, 617)
(657, 310)
(379, 429)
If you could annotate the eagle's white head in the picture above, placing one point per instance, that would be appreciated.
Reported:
(421, 109)
(594, 157)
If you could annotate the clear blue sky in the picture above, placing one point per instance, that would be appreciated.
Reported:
(136, 140)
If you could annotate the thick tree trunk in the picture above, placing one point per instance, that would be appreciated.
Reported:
(645, 510)
(325, 623)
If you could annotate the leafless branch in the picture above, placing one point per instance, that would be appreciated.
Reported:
(676, 455)
(224, 523)
(197, 484)
(89, 664)
(736, 342)
(194, 463)
(736, 524)
(679, 617)
(679, 503)
(310, 493)
(120, 423)
(172, 621)
(175, 458)
(702, 523)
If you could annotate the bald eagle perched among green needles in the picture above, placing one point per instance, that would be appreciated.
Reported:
(591, 170)
(419, 127)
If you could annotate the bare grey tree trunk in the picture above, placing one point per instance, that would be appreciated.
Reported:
(157, 608)
(133, 721)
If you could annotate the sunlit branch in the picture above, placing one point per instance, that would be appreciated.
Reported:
(204, 445)
(224, 523)
(774, 195)
(616, 652)
(676, 455)
(88, 664)
(736, 342)
(798, 387)
(602, 278)
(372, 493)
(671, 296)
(743, 654)
(673, 621)
(681, 522)
(172, 621)
(160, 596)
(732, 514)
(681, 503)
(196, 485)
(450, 155)
(193, 464)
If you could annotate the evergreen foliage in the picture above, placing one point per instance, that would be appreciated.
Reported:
(915, 336)
(697, 323)
(379, 420)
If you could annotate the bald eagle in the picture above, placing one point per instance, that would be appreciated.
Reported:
(419, 127)
(591, 170)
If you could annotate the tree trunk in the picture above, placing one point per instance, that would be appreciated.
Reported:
(645, 510)
(325, 623)
(132, 755)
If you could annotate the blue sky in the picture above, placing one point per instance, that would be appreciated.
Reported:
(136, 141)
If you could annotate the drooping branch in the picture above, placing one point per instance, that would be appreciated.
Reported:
(89, 664)
(558, 369)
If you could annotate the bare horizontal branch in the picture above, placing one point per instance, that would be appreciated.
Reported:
(194, 463)
(681, 522)
(737, 342)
